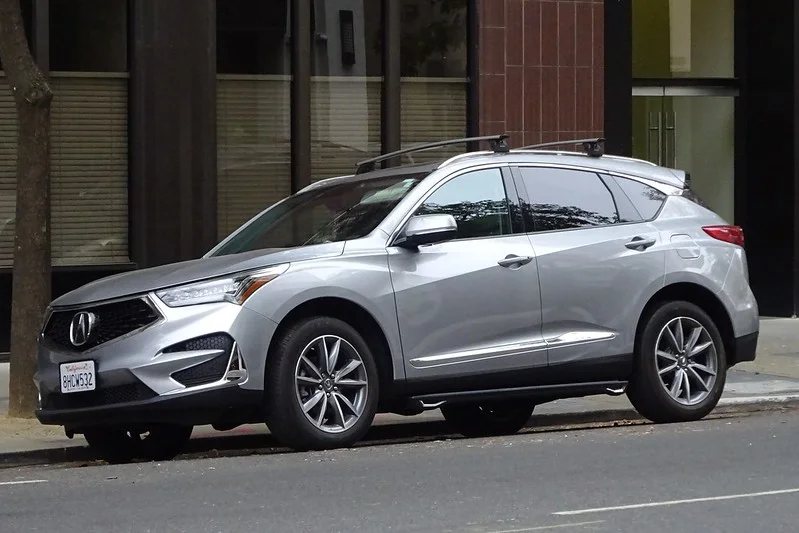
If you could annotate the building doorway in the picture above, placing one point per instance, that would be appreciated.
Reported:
(691, 128)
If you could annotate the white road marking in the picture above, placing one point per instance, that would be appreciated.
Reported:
(546, 528)
(23, 482)
(677, 502)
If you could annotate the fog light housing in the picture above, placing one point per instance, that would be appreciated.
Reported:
(236, 369)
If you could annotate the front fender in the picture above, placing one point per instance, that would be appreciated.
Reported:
(363, 280)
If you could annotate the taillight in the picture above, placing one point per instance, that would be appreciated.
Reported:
(730, 234)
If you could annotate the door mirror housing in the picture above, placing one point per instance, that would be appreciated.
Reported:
(427, 229)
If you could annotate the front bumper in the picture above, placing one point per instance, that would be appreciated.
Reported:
(192, 408)
(192, 365)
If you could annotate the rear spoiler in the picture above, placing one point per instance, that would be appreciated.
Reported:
(687, 192)
(683, 177)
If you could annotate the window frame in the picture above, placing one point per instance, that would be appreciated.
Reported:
(511, 195)
(610, 179)
(524, 195)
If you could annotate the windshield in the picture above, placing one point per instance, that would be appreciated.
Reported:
(339, 212)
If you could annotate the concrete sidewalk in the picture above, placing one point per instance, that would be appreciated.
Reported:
(772, 379)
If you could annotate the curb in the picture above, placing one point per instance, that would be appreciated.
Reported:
(263, 444)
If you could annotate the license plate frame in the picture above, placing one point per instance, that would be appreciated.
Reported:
(77, 376)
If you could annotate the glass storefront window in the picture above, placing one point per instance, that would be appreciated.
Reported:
(89, 136)
(89, 159)
(434, 74)
(683, 38)
(253, 108)
(346, 85)
(88, 35)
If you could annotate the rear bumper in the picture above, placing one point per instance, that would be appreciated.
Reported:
(743, 349)
(192, 408)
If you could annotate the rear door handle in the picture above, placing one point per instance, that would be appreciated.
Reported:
(640, 243)
(511, 260)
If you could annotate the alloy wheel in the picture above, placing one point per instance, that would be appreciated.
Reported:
(686, 360)
(331, 384)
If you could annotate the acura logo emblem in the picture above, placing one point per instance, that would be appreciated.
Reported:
(81, 327)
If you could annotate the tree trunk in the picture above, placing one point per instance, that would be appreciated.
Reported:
(30, 292)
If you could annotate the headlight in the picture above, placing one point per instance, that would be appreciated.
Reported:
(234, 289)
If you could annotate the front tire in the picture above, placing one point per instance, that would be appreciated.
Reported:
(322, 386)
(489, 419)
(681, 365)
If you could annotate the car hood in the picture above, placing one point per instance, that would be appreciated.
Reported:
(150, 279)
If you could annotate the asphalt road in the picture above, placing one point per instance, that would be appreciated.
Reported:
(728, 475)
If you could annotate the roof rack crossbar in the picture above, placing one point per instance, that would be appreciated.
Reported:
(593, 147)
(498, 144)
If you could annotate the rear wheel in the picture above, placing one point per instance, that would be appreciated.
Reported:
(322, 386)
(157, 443)
(681, 365)
(487, 419)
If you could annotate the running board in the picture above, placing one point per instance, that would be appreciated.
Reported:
(547, 393)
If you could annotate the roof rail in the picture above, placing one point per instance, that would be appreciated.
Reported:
(458, 157)
(497, 142)
(632, 159)
(592, 147)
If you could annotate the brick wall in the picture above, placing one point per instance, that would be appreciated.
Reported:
(541, 69)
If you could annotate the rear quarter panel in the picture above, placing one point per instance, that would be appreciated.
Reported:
(695, 257)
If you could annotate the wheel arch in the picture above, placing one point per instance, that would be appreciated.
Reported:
(699, 296)
(356, 316)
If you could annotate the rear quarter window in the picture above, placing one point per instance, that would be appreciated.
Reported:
(646, 200)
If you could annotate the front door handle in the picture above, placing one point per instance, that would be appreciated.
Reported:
(511, 260)
(640, 243)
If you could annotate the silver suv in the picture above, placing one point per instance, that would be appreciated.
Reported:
(482, 285)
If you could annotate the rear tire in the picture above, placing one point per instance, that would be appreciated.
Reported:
(679, 342)
(313, 406)
(489, 419)
(158, 443)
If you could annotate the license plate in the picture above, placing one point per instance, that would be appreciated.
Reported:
(77, 377)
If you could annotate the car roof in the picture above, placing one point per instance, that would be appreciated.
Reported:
(605, 163)
(592, 159)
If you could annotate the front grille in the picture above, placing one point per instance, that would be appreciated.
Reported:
(209, 371)
(113, 320)
(133, 392)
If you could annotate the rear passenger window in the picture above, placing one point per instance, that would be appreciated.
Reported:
(647, 200)
(566, 199)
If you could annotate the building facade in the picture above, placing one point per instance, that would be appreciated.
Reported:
(174, 122)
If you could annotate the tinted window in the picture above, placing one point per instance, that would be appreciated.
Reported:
(477, 201)
(647, 200)
(564, 199)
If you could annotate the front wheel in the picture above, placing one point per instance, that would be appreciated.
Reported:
(321, 386)
(489, 418)
(681, 365)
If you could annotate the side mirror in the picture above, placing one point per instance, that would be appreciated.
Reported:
(427, 229)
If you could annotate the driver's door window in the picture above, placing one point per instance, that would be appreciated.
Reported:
(476, 200)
